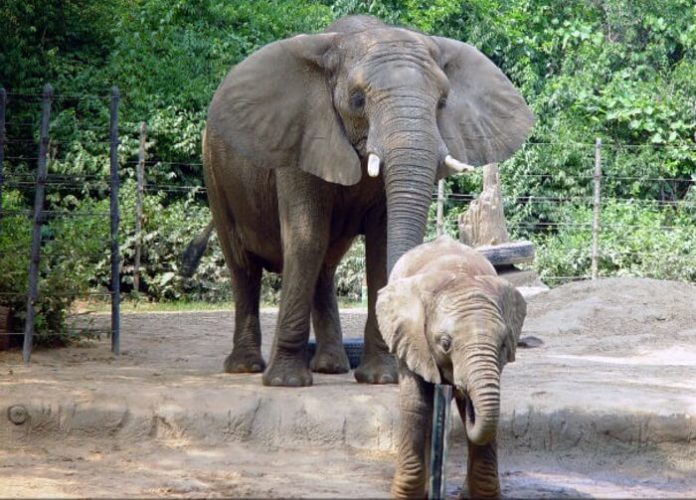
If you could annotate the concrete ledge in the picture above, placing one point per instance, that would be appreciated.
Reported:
(600, 381)
(360, 421)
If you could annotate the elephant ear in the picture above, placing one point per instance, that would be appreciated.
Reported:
(275, 110)
(401, 318)
(485, 120)
(513, 309)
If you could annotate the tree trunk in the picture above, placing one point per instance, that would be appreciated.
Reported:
(484, 222)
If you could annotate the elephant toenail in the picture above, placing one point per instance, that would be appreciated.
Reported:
(256, 367)
(276, 381)
(294, 381)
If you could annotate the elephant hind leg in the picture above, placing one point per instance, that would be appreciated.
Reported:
(245, 273)
(330, 356)
(246, 351)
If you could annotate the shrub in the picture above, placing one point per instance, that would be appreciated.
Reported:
(635, 239)
(73, 247)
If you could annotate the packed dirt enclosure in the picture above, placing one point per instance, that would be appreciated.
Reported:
(606, 407)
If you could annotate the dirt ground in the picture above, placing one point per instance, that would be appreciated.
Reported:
(605, 408)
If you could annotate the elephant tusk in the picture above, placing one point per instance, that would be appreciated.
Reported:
(373, 162)
(457, 165)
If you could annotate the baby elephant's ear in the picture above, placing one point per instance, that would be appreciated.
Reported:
(401, 318)
(513, 308)
(514, 311)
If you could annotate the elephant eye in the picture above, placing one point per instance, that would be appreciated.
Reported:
(357, 100)
(445, 342)
(442, 102)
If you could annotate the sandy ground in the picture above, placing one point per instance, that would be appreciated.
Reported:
(605, 408)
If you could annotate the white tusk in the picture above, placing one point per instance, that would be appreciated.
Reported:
(373, 162)
(457, 165)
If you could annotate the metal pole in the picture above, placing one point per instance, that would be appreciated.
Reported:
(115, 261)
(32, 289)
(440, 206)
(597, 177)
(442, 400)
(139, 207)
(3, 101)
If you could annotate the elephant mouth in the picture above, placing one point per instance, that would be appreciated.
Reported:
(361, 147)
(464, 402)
(470, 411)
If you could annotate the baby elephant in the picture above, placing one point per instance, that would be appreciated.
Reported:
(449, 319)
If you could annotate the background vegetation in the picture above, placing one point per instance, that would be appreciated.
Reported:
(621, 70)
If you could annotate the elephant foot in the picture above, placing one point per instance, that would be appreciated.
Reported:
(244, 362)
(377, 369)
(288, 372)
(330, 360)
(468, 492)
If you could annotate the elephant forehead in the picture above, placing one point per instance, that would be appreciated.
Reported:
(387, 37)
(470, 324)
(392, 58)
(385, 45)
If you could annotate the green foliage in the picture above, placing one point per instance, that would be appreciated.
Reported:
(15, 239)
(72, 250)
(350, 274)
(635, 240)
(621, 70)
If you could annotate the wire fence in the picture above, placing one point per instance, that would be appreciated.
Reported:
(123, 222)
(45, 250)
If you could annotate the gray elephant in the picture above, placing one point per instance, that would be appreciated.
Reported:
(450, 320)
(316, 139)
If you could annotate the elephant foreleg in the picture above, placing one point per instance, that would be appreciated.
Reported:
(304, 209)
(330, 356)
(416, 405)
(482, 480)
(377, 365)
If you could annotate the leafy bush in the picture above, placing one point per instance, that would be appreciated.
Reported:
(635, 240)
(350, 274)
(73, 248)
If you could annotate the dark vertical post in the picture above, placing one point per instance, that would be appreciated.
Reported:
(597, 179)
(3, 101)
(139, 207)
(32, 291)
(115, 260)
(442, 400)
(440, 207)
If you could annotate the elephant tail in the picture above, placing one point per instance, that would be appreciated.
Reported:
(194, 251)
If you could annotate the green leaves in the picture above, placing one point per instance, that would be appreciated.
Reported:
(621, 70)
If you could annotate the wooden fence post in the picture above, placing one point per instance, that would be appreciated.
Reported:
(5, 313)
(139, 207)
(440, 207)
(3, 101)
(32, 289)
(115, 260)
(597, 177)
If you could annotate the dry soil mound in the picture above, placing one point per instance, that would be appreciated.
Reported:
(625, 315)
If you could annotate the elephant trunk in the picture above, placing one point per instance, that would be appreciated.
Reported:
(410, 144)
(481, 382)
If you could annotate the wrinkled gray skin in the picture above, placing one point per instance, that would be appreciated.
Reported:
(285, 150)
(449, 319)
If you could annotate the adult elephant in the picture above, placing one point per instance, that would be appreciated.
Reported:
(293, 132)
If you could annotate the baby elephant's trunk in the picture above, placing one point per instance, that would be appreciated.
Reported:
(481, 383)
